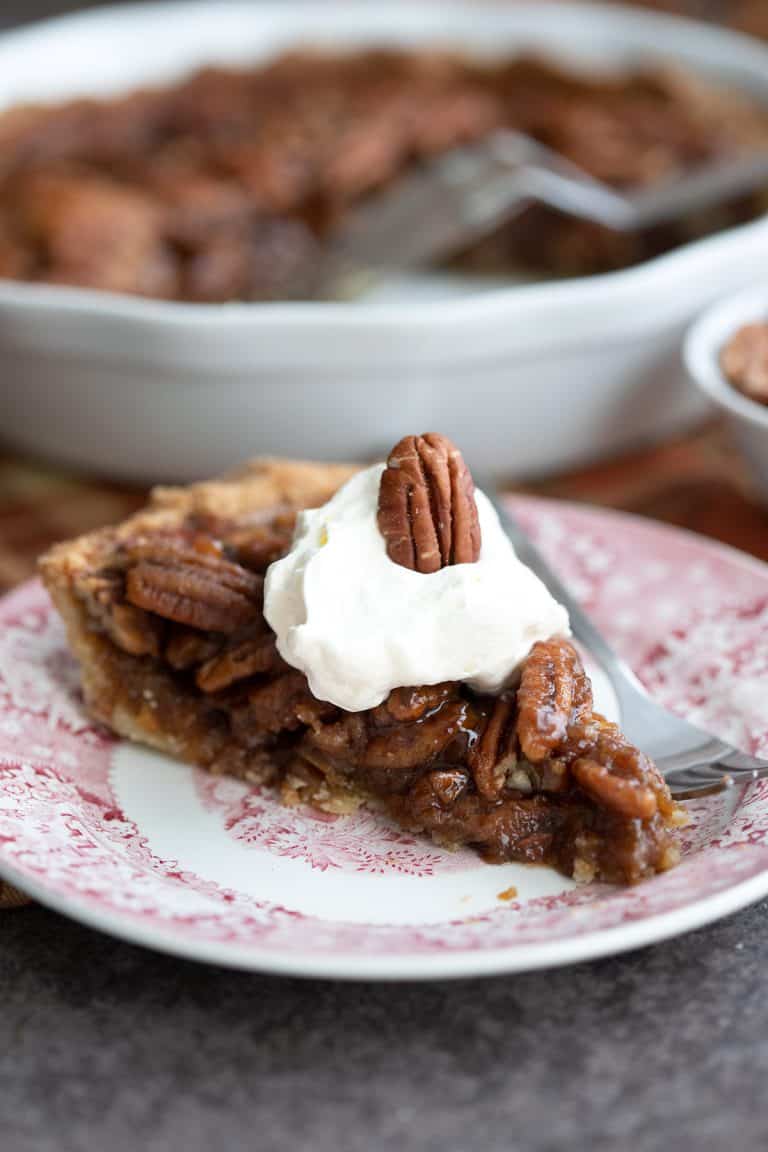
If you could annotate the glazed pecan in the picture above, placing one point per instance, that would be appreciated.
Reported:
(344, 739)
(250, 656)
(134, 630)
(197, 548)
(446, 785)
(284, 704)
(553, 689)
(495, 753)
(191, 586)
(623, 794)
(258, 549)
(407, 705)
(411, 745)
(187, 647)
(427, 511)
(627, 779)
(130, 628)
(514, 829)
(253, 540)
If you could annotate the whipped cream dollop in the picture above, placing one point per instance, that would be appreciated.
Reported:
(358, 625)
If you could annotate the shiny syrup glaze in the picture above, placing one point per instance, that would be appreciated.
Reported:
(414, 753)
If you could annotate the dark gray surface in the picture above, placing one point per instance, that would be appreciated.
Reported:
(106, 1048)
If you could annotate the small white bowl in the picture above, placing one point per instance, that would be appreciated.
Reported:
(705, 341)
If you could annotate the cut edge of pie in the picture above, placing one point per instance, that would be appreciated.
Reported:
(164, 614)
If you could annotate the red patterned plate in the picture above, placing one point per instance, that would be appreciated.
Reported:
(163, 855)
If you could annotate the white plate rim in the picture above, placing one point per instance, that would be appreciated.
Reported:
(458, 965)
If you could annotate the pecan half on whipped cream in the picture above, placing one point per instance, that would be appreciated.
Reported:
(427, 511)
(386, 585)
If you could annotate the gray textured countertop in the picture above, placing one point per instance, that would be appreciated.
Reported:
(107, 1048)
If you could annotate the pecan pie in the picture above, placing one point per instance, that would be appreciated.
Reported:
(165, 613)
(221, 187)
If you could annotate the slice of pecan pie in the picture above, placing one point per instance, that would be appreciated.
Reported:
(166, 615)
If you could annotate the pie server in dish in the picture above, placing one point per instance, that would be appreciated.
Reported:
(468, 192)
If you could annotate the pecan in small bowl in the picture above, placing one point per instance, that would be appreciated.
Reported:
(726, 354)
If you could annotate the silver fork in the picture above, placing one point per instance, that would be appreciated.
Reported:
(449, 201)
(692, 761)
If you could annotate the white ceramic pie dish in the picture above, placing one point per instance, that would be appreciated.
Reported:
(530, 378)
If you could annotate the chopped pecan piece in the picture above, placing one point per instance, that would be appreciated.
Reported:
(98, 233)
(100, 591)
(194, 588)
(599, 740)
(130, 628)
(406, 705)
(411, 745)
(515, 829)
(495, 753)
(446, 785)
(254, 540)
(257, 547)
(284, 705)
(553, 685)
(186, 647)
(249, 657)
(345, 739)
(199, 549)
(306, 783)
(134, 630)
(427, 511)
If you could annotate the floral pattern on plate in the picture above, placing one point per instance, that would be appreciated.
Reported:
(692, 617)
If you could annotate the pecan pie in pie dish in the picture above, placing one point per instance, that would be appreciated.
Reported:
(385, 648)
(220, 186)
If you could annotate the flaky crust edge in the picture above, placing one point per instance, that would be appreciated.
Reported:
(260, 483)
